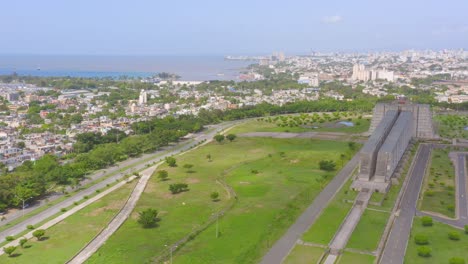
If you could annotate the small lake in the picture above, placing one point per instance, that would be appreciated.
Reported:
(346, 123)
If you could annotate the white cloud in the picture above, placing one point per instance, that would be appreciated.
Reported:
(332, 19)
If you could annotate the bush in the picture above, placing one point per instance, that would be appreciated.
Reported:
(466, 229)
(9, 238)
(63, 209)
(429, 193)
(426, 221)
(148, 218)
(327, 165)
(30, 227)
(456, 260)
(178, 188)
(424, 251)
(421, 239)
(454, 235)
(451, 208)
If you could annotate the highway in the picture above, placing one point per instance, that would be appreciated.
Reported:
(395, 248)
(285, 244)
(52, 210)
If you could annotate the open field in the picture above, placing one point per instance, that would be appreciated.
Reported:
(69, 236)
(327, 224)
(370, 228)
(439, 185)
(452, 126)
(302, 254)
(304, 123)
(269, 198)
(355, 258)
(442, 247)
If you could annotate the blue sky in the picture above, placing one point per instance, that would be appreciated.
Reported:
(202, 27)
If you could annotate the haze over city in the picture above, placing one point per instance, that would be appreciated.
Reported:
(145, 27)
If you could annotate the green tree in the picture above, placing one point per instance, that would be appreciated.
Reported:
(424, 251)
(219, 138)
(466, 229)
(178, 188)
(421, 239)
(327, 165)
(208, 156)
(39, 234)
(171, 161)
(22, 242)
(231, 137)
(163, 175)
(9, 250)
(148, 218)
(188, 167)
(214, 196)
(426, 221)
(454, 235)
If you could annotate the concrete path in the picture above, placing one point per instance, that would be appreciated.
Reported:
(316, 135)
(68, 213)
(285, 244)
(395, 248)
(116, 222)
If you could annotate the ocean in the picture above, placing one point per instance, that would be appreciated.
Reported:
(190, 68)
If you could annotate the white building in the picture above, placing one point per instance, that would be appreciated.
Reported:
(360, 73)
(143, 97)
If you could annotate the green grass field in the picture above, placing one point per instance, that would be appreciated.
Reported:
(442, 247)
(452, 126)
(369, 230)
(67, 237)
(327, 224)
(287, 179)
(291, 123)
(304, 255)
(355, 258)
(439, 185)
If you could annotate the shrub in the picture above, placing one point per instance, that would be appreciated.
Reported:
(30, 227)
(148, 218)
(178, 188)
(9, 238)
(451, 207)
(429, 193)
(466, 229)
(456, 260)
(421, 239)
(426, 221)
(39, 234)
(424, 251)
(327, 165)
(63, 209)
(453, 235)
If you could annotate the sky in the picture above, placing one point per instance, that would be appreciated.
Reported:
(208, 27)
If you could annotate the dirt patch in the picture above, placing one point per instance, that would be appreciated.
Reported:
(167, 196)
(242, 182)
(193, 180)
(294, 161)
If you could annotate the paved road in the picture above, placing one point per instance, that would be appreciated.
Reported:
(395, 248)
(34, 220)
(284, 245)
(116, 222)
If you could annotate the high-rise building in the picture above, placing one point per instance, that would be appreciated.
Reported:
(362, 74)
(143, 97)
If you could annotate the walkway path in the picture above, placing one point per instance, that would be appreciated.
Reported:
(285, 244)
(317, 135)
(117, 221)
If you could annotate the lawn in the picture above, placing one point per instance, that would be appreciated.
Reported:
(368, 231)
(439, 190)
(355, 258)
(452, 126)
(317, 122)
(67, 237)
(302, 254)
(269, 199)
(327, 224)
(442, 247)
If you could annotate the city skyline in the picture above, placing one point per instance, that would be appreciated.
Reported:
(241, 27)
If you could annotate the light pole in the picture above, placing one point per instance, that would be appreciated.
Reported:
(23, 200)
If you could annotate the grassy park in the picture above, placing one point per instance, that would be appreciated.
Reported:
(439, 185)
(355, 258)
(452, 126)
(370, 228)
(327, 224)
(317, 122)
(269, 199)
(441, 247)
(66, 238)
(302, 254)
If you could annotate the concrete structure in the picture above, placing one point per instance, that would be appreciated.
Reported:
(360, 73)
(368, 154)
(422, 117)
(143, 98)
(394, 147)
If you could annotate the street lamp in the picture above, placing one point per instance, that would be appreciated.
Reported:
(23, 200)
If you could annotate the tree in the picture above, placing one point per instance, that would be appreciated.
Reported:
(171, 161)
(214, 196)
(327, 165)
(424, 251)
(178, 188)
(456, 260)
(208, 156)
(466, 229)
(426, 221)
(163, 175)
(231, 137)
(22, 242)
(342, 158)
(148, 218)
(219, 138)
(352, 145)
(454, 235)
(20, 145)
(421, 239)
(39, 234)
(188, 167)
(9, 250)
